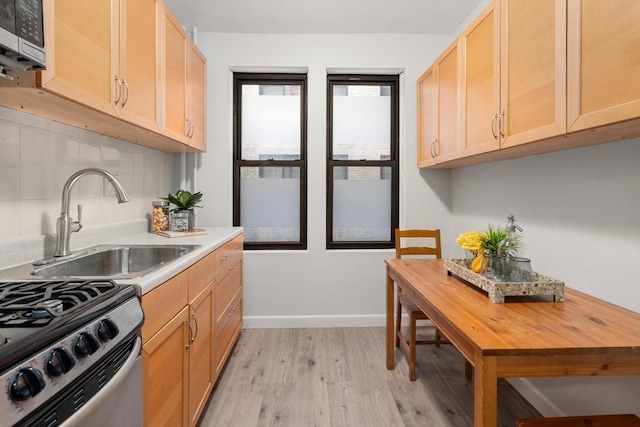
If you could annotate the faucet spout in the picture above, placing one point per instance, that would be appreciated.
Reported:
(65, 226)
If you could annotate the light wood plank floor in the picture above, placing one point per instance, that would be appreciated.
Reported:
(338, 377)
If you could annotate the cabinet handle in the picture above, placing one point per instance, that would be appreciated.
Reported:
(126, 92)
(431, 149)
(190, 340)
(434, 148)
(196, 323)
(494, 122)
(502, 120)
(193, 129)
(223, 258)
(118, 92)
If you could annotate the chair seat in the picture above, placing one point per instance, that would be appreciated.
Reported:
(411, 307)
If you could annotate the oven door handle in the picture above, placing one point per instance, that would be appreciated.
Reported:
(79, 418)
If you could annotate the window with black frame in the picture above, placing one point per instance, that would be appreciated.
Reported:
(362, 161)
(269, 170)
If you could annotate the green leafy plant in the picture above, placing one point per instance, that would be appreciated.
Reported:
(497, 241)
(184, 200)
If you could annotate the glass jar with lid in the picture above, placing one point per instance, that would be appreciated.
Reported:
(160, 216)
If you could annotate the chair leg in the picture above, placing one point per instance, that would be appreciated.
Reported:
(398, 322)
(412, 348)
(438, 337)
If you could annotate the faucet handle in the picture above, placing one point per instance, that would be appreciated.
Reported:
(78, 223)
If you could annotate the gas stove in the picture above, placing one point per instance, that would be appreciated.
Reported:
(56, 336)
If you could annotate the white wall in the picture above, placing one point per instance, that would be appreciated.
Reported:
(316, 287)
(38, 155)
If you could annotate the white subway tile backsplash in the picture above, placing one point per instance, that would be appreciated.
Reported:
(9, 180)
(9, 141)
(36, 145)
(37, 156)
(37, 181)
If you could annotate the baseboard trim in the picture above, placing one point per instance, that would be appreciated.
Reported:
(538, 400)
(319, 321)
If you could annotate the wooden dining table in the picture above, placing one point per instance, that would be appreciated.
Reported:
(526, 336)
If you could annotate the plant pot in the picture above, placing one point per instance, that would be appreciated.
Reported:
(182, 220)
(497, 268)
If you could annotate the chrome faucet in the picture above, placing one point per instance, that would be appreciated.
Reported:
(511, 224)
(65, 225)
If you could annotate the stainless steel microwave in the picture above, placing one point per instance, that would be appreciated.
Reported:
(21, 35)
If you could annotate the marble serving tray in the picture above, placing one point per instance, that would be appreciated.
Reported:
(540, 285)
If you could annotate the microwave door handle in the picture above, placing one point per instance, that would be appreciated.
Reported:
(80, 418)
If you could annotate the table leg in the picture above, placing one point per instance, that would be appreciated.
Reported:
(485, 412)
(390, 322)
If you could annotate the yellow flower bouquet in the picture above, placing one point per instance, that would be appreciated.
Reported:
(473, 241)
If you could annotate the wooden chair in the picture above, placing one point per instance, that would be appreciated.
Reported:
(408, 344)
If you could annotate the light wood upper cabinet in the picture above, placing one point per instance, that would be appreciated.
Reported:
(439, 110)
(539, 76)
(197, 86)
(174, 68)
(533, 70)
(184, 70)
(480, 46)
(427, 118)
(603, 62)
(138, 64)
(82, 44)
(104, 56)
(447, 145)
(111, 71)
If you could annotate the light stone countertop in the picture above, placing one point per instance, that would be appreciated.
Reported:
(216, 237)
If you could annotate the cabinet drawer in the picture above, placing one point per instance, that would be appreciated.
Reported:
(201, 274)
(163, 303)
(228, 257)
(226, 332)
(226, 290)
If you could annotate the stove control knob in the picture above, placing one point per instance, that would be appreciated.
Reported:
(27, 383)
(59, 362)
(107, 330)
(86, 344)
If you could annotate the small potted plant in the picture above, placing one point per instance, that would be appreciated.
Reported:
(182, 216)
(499, 245)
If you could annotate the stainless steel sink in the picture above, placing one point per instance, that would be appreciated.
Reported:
(115, 261)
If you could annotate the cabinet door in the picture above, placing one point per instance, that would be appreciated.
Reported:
(138, 63)
(165, 374)
(197, 84)
(426, 118)
(603, 62)
(201, 368)
(82, 46)
(533, 70)
(174, 69)
(447, 105)
(480, 45)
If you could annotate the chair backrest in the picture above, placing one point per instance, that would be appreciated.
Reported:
(418, 250)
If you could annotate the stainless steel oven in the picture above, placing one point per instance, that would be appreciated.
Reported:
(70, 354)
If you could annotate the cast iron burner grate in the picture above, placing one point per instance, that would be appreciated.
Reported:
(35, 304)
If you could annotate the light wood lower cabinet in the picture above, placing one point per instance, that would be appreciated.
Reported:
(165, 368)
(192, 322)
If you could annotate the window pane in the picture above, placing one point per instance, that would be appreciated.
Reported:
(270, 200)
(361, 122)
(270, 120)
(362, 204)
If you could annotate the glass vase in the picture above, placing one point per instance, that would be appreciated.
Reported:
(497, 268)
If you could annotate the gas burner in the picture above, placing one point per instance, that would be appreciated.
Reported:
(35, 304)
